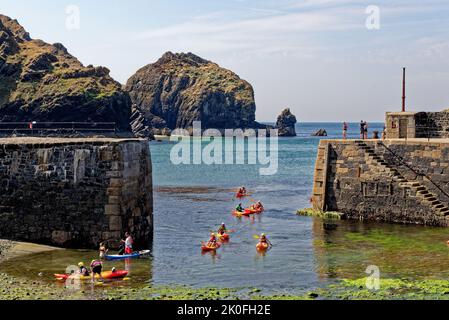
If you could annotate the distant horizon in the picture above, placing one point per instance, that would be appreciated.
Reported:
(327, 60)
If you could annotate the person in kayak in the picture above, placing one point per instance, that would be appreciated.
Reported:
(239, 208)
(128, 242)
(83, 270)
(222, 230)
(242, 191)
(103, 250)
(263, 239)
(212, 241)
(258, 205)
(96, 267)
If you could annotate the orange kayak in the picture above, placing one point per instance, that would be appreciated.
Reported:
(205, 247)
(119, 274)
(262, 246)
(223, 237)
(253, 211)
(239, 214)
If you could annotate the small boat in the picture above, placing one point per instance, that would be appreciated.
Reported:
(262, 246)
(223, 237)
(108, 275)
(136, 254)
(206, 247)
(240, 214)
(253, 211)
(241, 195)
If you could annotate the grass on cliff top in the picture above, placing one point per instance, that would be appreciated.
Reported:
(210, 75)
(91, 87)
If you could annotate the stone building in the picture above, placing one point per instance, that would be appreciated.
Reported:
(408, 125)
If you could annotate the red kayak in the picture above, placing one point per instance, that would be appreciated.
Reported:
(253, 211)
(262, 246)
(118, 274)
(240, 195)
(239, 214)
(206, 247)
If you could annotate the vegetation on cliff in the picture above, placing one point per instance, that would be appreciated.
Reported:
(182, 88)
(43, 82)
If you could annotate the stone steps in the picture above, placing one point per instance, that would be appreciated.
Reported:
(421, 191)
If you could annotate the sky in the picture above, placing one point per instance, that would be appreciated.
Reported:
(328, 60)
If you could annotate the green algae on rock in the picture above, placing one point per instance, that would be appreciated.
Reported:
(309, 212)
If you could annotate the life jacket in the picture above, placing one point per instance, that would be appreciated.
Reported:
(96, 264)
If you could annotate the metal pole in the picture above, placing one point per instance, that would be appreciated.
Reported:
(403, 90)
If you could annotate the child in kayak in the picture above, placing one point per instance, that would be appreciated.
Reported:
(96, 267)
(242, 191)
(222, 230)
(239, 208)
(83, 270)
(263, 239)
(212, 241)
(258, 205)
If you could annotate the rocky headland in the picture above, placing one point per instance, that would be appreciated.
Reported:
(43, 82)
(181, 88)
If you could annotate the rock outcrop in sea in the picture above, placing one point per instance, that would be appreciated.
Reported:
(43, 82)
(286, 124)
(181, 88)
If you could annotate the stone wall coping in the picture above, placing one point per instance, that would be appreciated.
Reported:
(65, 141)
(400, 113)
(411, 141)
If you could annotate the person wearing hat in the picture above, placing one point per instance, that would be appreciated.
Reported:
(83, 270)
(222, 230)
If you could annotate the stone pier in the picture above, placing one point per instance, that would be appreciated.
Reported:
(75, 193)
(396, 180)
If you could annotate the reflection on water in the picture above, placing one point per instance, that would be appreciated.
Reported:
(400, 251)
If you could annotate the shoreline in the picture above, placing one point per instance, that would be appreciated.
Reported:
(12, 249)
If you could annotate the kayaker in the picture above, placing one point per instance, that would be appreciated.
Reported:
(242, 191)
(128, 243)
(258, 205)
(103, 250)
(239, 208)
(264, 239)
(96, 267)
(222, 230)
(212, 241)
(83, 270)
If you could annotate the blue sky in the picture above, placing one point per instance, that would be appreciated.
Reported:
(315, 56)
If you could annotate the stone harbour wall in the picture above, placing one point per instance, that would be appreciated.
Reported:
(75, 193)
(393, 180)
(432, 124)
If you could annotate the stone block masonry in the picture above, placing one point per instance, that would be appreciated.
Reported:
(75, 193)
(392, 181)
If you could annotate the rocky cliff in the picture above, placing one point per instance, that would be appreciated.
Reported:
(182, 88)
(286, 124)
(43, 82)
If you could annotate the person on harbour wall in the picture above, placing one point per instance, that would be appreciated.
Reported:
(345, 130)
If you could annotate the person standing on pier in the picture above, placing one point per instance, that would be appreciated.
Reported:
(345, 130)
(365, 130)
(362, 129)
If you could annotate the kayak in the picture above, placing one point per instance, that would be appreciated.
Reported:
(205, 247)
(118, 274)
(128, 256)
(241, 195)
(262, 246)
(223, 237)
(254, 211)
(239, 214)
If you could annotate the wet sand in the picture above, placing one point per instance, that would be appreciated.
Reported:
(12, 249)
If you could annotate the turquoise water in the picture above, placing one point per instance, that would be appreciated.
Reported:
(190, 200)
